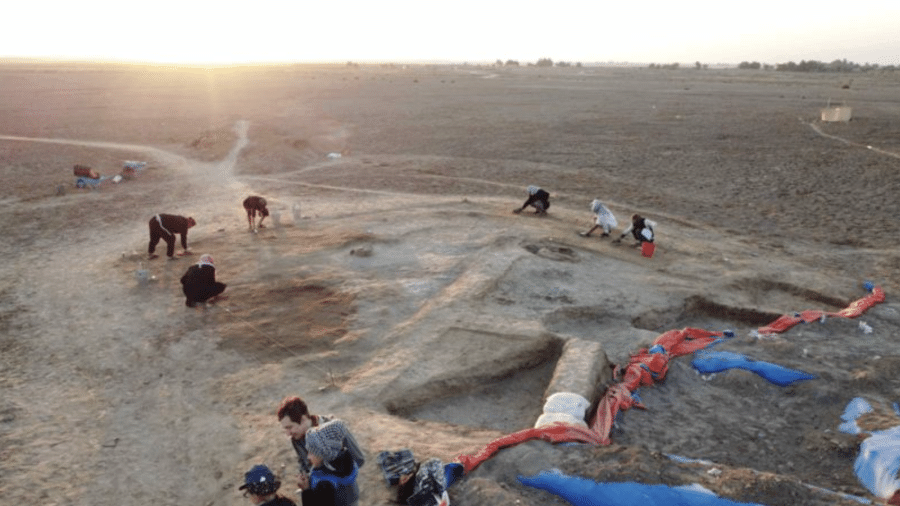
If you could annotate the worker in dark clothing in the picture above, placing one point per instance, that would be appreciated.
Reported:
(537, 198)
(199, 282)
(641, 229)
(165, 226)
(253, 205)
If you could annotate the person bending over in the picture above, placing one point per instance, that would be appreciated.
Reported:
(603, 218)
(641, 229)
(538, 199)
(254, 205)
(165, 226)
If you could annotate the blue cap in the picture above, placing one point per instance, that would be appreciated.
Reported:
(260, 481)
(869, 286)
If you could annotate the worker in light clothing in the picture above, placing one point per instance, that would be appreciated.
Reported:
(165, 226)
(603, 218)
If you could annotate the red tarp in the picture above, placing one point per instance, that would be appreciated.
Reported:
(555, 433)
(855, 309)
(644, 368)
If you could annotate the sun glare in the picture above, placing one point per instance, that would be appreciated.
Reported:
(267, 31)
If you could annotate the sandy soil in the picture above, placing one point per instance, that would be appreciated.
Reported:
(407, 299)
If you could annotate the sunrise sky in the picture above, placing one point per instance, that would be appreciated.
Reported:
(224, 31)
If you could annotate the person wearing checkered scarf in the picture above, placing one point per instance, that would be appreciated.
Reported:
(296, 420)
(333, 476)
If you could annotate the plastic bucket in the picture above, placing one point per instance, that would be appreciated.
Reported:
(647, 249)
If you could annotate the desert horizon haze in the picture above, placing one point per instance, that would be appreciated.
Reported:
(206, 32)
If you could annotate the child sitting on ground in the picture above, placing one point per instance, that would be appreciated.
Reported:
(333, 477)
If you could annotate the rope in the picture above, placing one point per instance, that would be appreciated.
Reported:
(281, 345)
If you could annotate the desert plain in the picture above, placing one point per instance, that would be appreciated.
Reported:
(394, 288)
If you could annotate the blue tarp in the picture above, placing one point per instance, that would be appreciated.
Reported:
(858, 406)
(708, 362)
(584, 492)
(878, 463)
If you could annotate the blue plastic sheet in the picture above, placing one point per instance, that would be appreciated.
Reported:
(584, 492)
(708, 362)
(858, 406)
(878, 463)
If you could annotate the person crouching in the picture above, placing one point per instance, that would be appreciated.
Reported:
(603, 218)
(641, 229)
(538, 198)
(333, 477)
(199, 282)
(261, 487)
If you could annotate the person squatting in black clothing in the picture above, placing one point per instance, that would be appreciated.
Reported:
(199, 282)
(261, 487)
(253, 205)
(165, 226)
(641, 229)
(537, 198)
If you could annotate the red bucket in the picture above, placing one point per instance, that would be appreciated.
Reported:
(647, 249)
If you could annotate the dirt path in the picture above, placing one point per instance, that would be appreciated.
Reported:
(111, 386)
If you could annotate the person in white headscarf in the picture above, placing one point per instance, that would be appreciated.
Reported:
(538, 198)
(603, 218)
(199, 282)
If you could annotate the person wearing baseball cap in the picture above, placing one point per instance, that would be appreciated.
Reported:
(261, 487)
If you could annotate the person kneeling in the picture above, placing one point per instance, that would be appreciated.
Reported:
(332, 481)
(199, 282)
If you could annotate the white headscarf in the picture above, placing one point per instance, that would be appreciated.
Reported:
(206, 259)
(532, 189)
(604, 215)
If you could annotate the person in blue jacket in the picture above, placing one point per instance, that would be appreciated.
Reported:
(332, 481)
